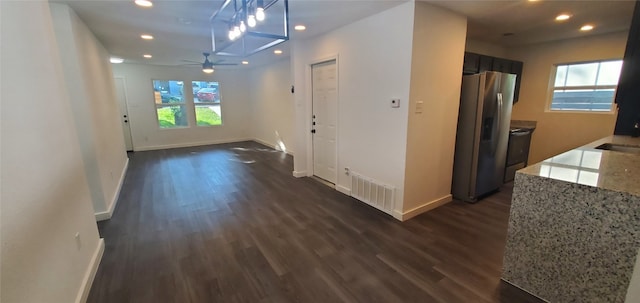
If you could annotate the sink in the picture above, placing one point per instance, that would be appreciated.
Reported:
(620, 148)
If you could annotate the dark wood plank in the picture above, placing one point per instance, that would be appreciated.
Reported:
(228, 223)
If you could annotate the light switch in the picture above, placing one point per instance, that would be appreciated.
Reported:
(395, 103)
(419, 107)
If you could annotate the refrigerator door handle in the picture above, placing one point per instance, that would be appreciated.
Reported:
(499, 97)
(499, 122)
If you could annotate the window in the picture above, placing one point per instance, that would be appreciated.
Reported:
(206, 99)
(170, 105)
(585, 86)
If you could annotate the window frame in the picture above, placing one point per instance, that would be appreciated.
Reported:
(161, 105)
(552, 88)
(196, 104)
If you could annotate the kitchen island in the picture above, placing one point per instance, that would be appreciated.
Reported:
(574, 228)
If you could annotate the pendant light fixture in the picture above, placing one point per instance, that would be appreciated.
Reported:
(244, 24)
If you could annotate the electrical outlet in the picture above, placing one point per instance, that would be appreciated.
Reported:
(347, 171)
(395, 103)
(419, 107)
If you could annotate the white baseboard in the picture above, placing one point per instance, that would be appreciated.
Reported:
(106, 215)
(403, 216)
(87, 281)
(299, 174)
(191, 144)
(289, 152)
(344, 190)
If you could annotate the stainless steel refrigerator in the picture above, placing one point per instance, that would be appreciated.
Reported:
(483, 134)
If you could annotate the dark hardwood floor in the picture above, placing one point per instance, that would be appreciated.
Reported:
(229, 223)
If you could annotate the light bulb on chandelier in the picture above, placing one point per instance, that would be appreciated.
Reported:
(251, 21)
(243, 28)
(260, 14)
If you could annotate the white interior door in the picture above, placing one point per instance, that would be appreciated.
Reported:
(124, 114)
(325, 117)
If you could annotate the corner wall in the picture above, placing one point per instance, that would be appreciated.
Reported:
(436, 70)
(145, 132)
(272, 105)
(558, 132)
(45, 195)
(89, 81)
(374, 64)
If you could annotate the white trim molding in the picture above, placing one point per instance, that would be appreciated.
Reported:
(344, 190)
(299, 174)
(403, 216)
(106, 215)
(192, 144)
(87, 281)
(289, 152)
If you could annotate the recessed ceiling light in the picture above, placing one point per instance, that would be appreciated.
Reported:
(116, 60)
(146, 37)
(277, 52)
(563, 17)
(147, 56)
(586, 27)
(144, 3)
(245, 62)
(300, 27)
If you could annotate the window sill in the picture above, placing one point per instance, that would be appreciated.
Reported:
(175, 127)
(550, 111)
(209, 125)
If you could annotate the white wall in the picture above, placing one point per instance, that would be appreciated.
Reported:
(374, 64)
(557, 132)
(45, 194)
(91, 90)
(145, 132)
(435, 80)
(272, 105)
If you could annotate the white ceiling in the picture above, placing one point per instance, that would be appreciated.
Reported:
(534, 21)
(118, 25)
(181, 28)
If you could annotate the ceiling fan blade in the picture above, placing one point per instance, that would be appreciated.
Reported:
(190, 64)
(191, 61)
(219, 64)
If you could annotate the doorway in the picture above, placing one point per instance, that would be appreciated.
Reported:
(324, 98)
(124, 113)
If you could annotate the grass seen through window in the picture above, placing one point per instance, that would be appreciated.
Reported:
(206, 116)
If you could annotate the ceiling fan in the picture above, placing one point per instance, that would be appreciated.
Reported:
(207, 66)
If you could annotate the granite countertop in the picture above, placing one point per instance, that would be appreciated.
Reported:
(586, 165)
